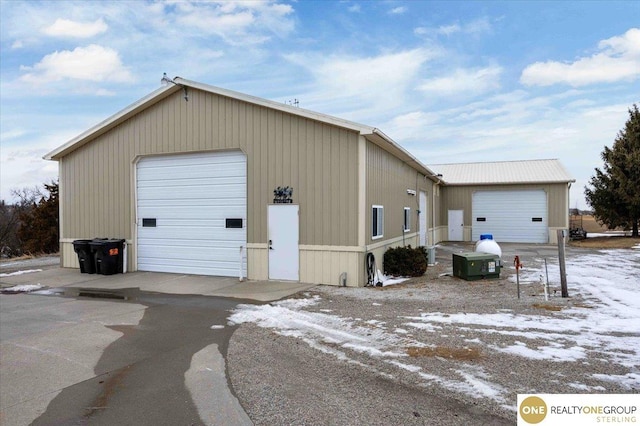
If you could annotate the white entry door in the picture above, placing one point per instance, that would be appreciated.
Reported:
(456, 225)
(422, 219)
(284, 261)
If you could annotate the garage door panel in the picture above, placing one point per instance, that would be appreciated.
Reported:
(189, 213)
(181, 174)
(189, 269)
(194, 193)
(187, 253)
(191, 182)
(191, 233)
(226, 244)
(220, 203)
(195, 159)
(190, 196)
(509, 215)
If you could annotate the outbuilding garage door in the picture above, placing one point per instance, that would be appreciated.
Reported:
(511, 216)
(191, 215)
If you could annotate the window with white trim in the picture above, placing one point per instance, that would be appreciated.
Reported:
(407, 219)
(377, 221)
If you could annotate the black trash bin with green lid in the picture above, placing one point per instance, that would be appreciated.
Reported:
(108, 255)
(85, 256)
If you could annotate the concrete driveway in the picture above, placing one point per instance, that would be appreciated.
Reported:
(137, 348)
(263, 291)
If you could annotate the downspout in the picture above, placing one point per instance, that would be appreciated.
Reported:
(433, 213)
(566, 216)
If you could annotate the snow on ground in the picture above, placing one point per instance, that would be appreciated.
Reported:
(606, 326)
(28, 271)
(24, 288)
(387, 280)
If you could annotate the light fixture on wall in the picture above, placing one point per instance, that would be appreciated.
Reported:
(411, 192)
(165, 80)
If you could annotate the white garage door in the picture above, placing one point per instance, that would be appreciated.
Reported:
(511, 216)
(191, 215)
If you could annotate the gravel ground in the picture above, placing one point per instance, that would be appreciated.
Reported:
(281, 379)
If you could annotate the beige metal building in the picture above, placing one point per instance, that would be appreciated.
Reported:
(514, 201)
(190, 185)
(187, 177)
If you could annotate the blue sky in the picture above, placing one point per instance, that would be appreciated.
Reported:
(450, 81)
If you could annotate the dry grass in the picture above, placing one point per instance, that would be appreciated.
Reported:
(582, 305)
(547, 307)
(590, 224)
(13, 259)
(606, 242)
(463, 354)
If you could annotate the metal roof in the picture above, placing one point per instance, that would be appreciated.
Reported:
(503, 172)
(371, 133)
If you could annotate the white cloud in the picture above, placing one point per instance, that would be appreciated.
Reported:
(237, 23)
(354, 8)
(68, 28)
(449, 29)
(464, 81)
(11, 134)
(412, 125)
(92, 63)
(618, 59)
(362, 82)
(24, 168)
(398, 10)
(476, 27)
(572, 126)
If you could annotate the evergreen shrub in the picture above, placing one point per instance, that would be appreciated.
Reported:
(405, 261)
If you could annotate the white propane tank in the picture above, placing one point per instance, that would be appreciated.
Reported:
(488, 245)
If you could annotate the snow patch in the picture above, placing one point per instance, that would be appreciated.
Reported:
(408, 367)
(605, 327)
(24, 288)
(13, 274)
(386, 280)
(630, 381)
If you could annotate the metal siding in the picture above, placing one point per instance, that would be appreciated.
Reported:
(388, 179)
(97, 176)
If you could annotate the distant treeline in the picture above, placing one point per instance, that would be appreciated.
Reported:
(31, 224)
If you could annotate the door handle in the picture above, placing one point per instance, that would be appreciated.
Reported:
(270, 245)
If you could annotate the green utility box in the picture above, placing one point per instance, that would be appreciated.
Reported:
(476, 266)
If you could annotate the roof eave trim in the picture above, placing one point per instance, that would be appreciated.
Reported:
(535, 182)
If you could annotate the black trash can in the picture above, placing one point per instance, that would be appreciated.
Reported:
(108, 255)
(85, 256)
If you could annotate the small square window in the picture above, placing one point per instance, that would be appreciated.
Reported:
(407, 219)
(377, 221)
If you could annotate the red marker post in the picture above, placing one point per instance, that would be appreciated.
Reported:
(518, 265)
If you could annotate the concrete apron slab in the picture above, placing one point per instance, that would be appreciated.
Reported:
(263, 291)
